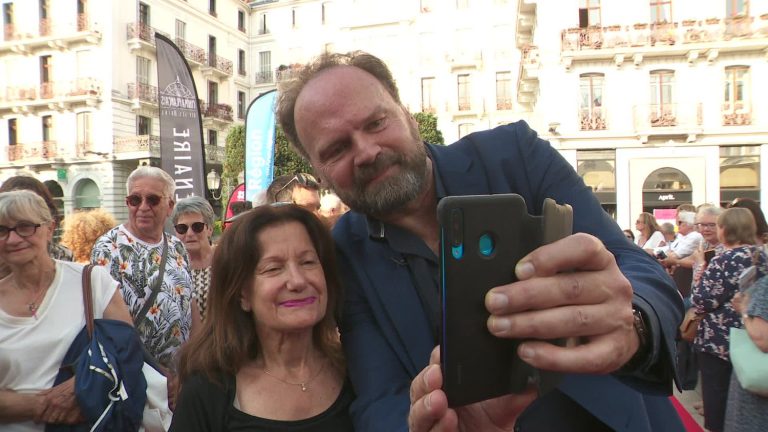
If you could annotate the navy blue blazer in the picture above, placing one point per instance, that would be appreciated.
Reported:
(388, 338)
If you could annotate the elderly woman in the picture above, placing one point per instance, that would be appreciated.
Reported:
(82, 229)
(269, 356)
(41, 313)
(712, 297)
(151, 268)
(193, 221)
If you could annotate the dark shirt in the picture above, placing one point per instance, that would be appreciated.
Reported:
(207, 406)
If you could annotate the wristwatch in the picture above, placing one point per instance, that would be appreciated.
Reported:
(641, 355)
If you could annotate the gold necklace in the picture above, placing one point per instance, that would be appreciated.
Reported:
(304, 385)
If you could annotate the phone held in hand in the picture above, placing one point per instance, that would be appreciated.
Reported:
(482, 238)
(708, 255)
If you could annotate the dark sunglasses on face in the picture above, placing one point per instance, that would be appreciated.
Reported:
(23, 229)
(135, 200)
(197, 228)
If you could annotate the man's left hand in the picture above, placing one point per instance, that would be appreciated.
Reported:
(570, 288)
(59, 405)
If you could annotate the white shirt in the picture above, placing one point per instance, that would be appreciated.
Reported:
(687, 244)
(31, 349)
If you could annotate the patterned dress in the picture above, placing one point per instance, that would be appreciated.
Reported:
(135, 264)
(713, 296)
(201, 279)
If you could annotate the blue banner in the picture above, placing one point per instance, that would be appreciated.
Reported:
(259, 146)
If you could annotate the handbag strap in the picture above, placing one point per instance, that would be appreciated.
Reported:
(88, 299)
(142, 315)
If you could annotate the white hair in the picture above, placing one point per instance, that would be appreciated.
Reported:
(169, 188)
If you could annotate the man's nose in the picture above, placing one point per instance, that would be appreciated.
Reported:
(366, 149)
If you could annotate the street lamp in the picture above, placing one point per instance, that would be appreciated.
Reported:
(214, 183)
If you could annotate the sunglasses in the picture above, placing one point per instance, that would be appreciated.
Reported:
(197, 228)
(23, 229)
(136, 200)
(303, 179)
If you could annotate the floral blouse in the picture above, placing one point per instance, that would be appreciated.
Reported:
(712, 296)
(136, 264)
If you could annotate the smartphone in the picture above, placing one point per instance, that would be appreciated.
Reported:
(708, 255)
(482, 238)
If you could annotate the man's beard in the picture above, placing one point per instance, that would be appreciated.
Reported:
(392, 193)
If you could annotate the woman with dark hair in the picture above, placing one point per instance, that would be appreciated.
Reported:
(650, 233)
(757, 213)
(22, 182)
(713, 299)
(268, 356)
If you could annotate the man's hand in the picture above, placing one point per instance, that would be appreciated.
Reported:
(59, 405)
(429, 406)
(570, 288)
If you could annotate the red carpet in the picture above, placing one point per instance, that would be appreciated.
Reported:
(688, 421)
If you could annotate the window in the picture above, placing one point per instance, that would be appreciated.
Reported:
(45, 24)
(293, 18)
(241, 62)
(503, 90)
(213, 137)
(144, 13)
(213, 93)
(241, 105)
(427, 93)
(462, 4)
(8, 18)
(463, 92)
(84, 129)
(241, 20)
(212, 51)
(143, 66)
(736, 106)
(45, 69)
(661, 11)
(465, 129)
(739, 173)
(589, 13)
(12, 132)
(324, 11)
(143, 125)
(736, 8)
(265, 63)
(212, 7)
(47, 122)
(591, 113)
(181, 30)
(263, 29)
(662, 109)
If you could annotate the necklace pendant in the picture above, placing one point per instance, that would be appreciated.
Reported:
(303, 387)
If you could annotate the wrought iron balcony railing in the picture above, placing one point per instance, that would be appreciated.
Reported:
(143, 92)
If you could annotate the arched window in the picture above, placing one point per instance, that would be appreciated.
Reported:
(87, 195)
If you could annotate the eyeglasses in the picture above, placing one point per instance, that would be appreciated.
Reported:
(706, 225)
(23, 229)
(136, 200)
(197, 227)
(303, 179)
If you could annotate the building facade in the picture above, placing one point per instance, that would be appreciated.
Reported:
(79, 110)
(654, 102)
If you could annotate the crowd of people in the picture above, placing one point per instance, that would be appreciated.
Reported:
(299, 319)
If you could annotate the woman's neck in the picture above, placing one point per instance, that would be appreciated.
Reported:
(201, 258)
(289, 351)
(34, 275)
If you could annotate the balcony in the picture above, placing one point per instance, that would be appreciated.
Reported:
(592, 119)
(216, 116)
(528, 78)
(263, 77)
(136, 146)
(48, 33)
(141, 37)
(54, 95)
(668, 119)
(663, 39)
(217, 66)
(33, 152)
(142, 96)
(214, 154)
(195, 55)
(503, 104)
(738, 114)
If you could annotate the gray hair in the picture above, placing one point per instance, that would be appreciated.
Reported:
(687, 217)
(193, 205)
(709, 210)
(152, 172)
(24, 205)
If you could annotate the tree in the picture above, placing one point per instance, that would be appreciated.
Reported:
(234, 157)
(287, 160)
(428, 128)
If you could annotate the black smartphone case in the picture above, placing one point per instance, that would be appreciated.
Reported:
(482, 238)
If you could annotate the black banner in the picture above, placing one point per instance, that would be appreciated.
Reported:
(181, 129)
